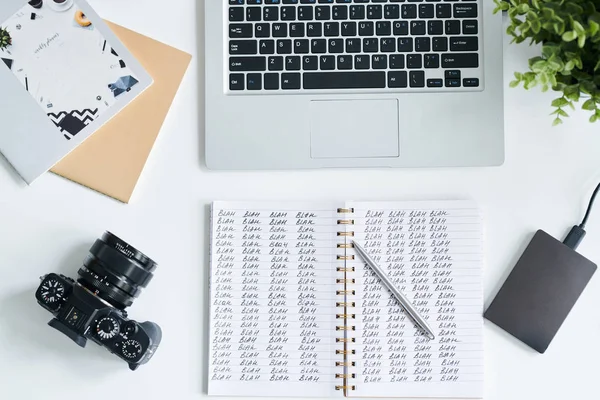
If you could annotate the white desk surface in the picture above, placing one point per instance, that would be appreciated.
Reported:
(545, 183)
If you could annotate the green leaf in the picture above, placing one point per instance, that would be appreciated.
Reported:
(589, 105)
(569, 65)
(514, 84)
(594, 27)
(557, 121)
(523, 8)
(581, 41)
(593, 118)
(560, 102)
(569, 36)
(577, 27)
(562, 113)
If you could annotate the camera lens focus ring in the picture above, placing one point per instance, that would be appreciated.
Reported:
(114, 260)
(116, 271)
(112, 278)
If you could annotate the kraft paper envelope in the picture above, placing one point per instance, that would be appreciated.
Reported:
(111, 161)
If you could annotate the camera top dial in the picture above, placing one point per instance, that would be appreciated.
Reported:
(107, 328)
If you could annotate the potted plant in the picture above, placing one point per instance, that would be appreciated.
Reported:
(5, 39)
(569, 63)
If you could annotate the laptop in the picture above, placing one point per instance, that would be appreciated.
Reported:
(353, 83)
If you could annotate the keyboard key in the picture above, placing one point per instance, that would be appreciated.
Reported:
(340, 12)
(301, 46)
(465, 10)
(318, 46)
(275, 63)
(422, 44)
(409, 11)
(247, 63)
(440, 43)
(288, 13)
(397, 79)
(305, 13)
(336, 46)
(464, 43)
(290, 81)
(314, 29)
(280, 30)
(452, 27)
(310, 63)
(322, 13)
(460, 60)
(452, 82)
(344, 80)
(331, 29)
(452, 74)
(353, 46)
(417, 79)
(401, 28)
(366, 29)
(240, 31)
(344, 62)
(362, 62)
(349, 29)
(236, 82)
(292, 63)
(357, 12)
(262, 30)
(254, 81)
(253, 13)
(284, 46)
(236, 14)
(435, 28)
(426, 11)
(443, 11)
(414, 61)
(470, 82)
(370, 45)
(431, 60)
(405, 45)
(297, 29)
(417, 28)
(383, 28)
(379, 61)
(327, 63)
(391, 11)
(374, 11)
(243, 47)
(271, 81)
(469, 27)
(267, 46)
(435, 83)
(397, 61)
(271, 14)
(388, 45)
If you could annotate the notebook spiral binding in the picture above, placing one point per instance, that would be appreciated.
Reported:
(346, 293)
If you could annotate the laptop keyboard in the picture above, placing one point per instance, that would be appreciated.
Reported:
(353, 45)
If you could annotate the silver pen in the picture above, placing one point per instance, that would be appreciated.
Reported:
(404, 302)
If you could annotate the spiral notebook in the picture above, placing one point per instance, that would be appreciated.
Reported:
(295, 312)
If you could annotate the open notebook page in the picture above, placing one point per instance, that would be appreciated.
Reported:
(433, 252)
(272, 315)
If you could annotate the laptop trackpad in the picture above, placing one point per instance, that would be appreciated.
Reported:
(354, 128)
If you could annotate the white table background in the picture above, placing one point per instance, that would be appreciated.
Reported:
(49, 227)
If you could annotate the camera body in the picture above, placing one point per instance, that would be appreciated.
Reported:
(81, 315)
(93, 307)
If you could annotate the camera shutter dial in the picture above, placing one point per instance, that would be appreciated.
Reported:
(131, 348)
(52, 291)
(107, 328)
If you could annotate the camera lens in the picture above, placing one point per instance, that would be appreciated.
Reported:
(115, 271)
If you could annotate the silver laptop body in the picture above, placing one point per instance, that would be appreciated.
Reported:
(356, 83)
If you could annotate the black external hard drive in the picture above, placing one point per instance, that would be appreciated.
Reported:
(540, 291)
